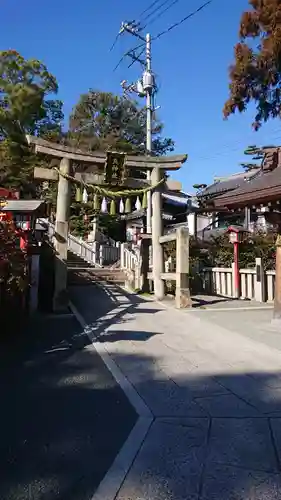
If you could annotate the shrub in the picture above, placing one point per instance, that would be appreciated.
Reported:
(13, 268)
(218, 251)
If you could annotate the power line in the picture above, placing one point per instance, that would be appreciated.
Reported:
(131, 51)
(175, 25)
(137, 58)
(140, 46)
(221, 154)
(148, 8)
(161, 13)
(155, 10)
(237, 146)
(114, 43)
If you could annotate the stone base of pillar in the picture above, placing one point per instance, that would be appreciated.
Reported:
(130, 281)
(183, 299)
(276, 324)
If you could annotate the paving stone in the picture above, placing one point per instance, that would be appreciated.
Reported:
(200, 385)
(232, 483)
(165, 398)
(276, 431)
(243, 442)
(184, 365)
(200, 422)
(260, 391)
(272, 380)
(241, 385)
(226, 405)
(169, 464)
(189, 377)
(267, 401)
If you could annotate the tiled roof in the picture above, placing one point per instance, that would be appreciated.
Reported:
(227, 184)
(263, 187)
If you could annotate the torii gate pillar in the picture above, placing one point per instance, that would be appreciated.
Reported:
(63, 206)
(61, 235)
(157, 231)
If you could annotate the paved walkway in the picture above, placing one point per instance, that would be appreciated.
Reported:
(214, 392)
(58, 436)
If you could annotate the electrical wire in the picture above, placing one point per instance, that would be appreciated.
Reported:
(155, 10)
(175, 25)
(161, 13)
(141, 45)
(138, 56)
(162, 33)
(218, 155)
(148, 8)
(114, 43)
(235, 147)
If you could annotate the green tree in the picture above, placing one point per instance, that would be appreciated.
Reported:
(24, 106)
(101, 120)
(256, 73)
(27, 106)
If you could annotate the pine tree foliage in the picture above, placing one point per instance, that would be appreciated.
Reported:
(256, 73)
(27, 106)
(102, 121)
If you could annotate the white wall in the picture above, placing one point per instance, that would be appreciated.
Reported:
(202, 222)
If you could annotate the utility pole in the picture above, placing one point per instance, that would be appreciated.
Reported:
(144, 88)
(148, 128)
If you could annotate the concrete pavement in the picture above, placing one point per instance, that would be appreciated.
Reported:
(63, 416)
(213, 390)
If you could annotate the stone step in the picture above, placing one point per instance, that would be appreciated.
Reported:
(88, 276)
(74, 260)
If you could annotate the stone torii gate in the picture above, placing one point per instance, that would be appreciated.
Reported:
(91, 169)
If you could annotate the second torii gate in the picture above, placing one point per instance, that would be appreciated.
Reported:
(91, 169)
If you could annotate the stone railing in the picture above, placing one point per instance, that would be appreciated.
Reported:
(94, 254)
(255, 284)
(130, 263)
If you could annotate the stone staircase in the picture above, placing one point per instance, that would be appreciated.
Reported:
(89, 263)
(81, 272)
(77, 262)
(87, 276)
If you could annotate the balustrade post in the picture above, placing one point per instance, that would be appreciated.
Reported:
(144, 263)
(259, 281)
(118, 249)
(122, 255)
(183, 298)
(95, 249)
(101, 255)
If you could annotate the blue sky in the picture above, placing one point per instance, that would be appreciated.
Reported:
(73, 39)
